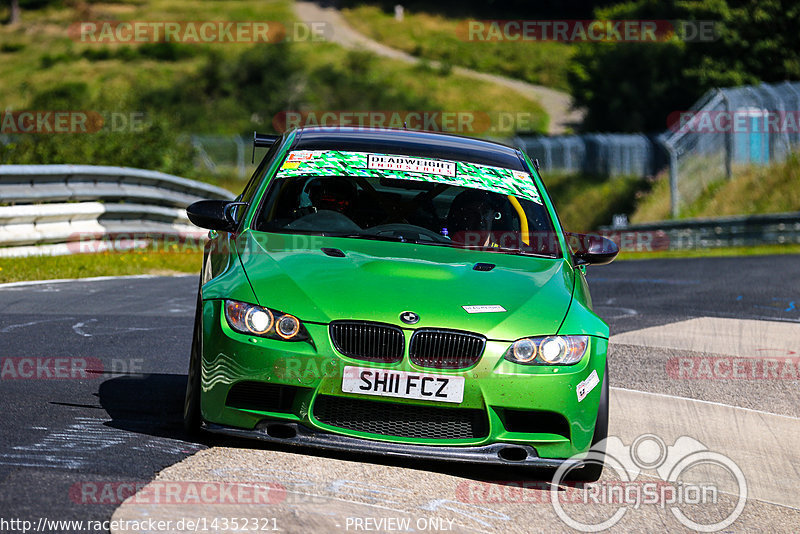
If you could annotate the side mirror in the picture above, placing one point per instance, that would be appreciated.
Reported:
(214, 214)
(592, 249)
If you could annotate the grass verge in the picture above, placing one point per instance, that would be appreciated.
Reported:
(760, 250)
(170, 263)
(435, 37)
(753, 190)
(100, 264)
(585, 202)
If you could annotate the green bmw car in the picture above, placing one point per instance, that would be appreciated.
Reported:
(403, 293)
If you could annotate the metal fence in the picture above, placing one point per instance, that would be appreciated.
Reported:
(222, 154)
(726, 130)
(600, 154)
(729, 129)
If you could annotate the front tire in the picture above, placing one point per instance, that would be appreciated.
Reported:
(191, 406)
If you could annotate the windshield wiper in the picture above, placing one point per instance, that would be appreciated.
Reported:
(392, 238)
(507, 250)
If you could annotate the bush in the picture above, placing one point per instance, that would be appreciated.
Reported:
(165, 51)
(10, 48)
(49, 60)
(69, 95)
(155, 147)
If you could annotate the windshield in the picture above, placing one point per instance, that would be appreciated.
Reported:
(415, 200)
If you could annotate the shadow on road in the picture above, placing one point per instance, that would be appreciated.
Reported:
(149, 404)
(152, 404)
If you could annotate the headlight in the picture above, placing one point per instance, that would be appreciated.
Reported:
(551, 350)
(255, 320)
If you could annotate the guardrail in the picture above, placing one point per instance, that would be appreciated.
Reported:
(686, 234)
(45, 207)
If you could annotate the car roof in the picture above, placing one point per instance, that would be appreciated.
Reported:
(408, 143)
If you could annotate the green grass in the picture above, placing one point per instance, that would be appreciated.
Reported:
(773, 188)
(759, 250)
(435, 37)
(166, 263)
(38, 54)
(586, 202)
(100, 264)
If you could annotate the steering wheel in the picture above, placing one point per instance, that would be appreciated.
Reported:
(404, 230)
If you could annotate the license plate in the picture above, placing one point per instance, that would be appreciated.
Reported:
(403, 384)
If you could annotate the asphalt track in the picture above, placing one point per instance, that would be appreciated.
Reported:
(118, 420)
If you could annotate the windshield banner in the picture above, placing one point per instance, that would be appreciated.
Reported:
(458, 173)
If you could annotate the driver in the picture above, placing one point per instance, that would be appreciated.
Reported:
(333, 194)
(474, 217)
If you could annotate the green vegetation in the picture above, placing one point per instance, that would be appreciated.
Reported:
(231, 88)
(760, 250)
(633, 87)
(435, 37)
(101, 264)
(770, 189)
(586, 202)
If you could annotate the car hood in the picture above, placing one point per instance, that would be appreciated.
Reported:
(378, 280)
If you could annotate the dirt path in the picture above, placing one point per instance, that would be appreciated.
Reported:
(556, 103)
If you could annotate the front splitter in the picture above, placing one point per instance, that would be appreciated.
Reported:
(296, 434)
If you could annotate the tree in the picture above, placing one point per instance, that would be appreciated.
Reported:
(635, 86)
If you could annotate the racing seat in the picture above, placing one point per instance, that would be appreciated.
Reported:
(481, 218)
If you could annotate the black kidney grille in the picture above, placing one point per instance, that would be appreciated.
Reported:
(446, 349)
(373, 342)
(401, 420)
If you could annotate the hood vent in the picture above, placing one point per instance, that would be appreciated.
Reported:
(333, 252)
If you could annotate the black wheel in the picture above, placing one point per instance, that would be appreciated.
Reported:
(191, 405)
(591, 472)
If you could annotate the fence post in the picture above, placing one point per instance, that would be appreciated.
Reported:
(240, 156)
(728, 136)
(674, 200)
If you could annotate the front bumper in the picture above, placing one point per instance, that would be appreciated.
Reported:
(297, 434)
(495, 387)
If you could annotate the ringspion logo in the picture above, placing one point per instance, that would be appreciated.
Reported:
(688, 475)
